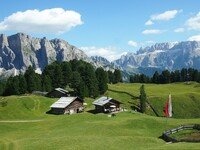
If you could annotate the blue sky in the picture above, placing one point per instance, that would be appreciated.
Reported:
(108, 27)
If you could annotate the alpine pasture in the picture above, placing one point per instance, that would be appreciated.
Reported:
(25, 125)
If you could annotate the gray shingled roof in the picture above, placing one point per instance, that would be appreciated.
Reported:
(63, 102)
(61, 90)
(102, 101)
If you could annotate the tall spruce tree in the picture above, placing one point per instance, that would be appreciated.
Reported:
(22, 84)
(102, 78)
(155, 78)
(91, 81)
(184, 75)
(110, 77)
(117, 76)
(77, 84)
(46, 83)
(143, 99)
(2, 87)
(58, 77)
(67, 73)
(165, 76)
(31, 79)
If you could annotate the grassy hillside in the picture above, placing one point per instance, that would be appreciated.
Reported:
(83, 131)
(128, 130)
(26, 106)
(185, 97)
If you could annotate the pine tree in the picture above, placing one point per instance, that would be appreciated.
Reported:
(22, 84)
(31, 79)
(67, 73)
(58, 77)
(77, 84)
(110, 77)
(117, 76)
(102, 78)
(91, 81)
(46, 83)
(15, 85)
(195, 75)
(12, 86)
(155, 78)
(184, 75)
(2, 87)
(143, 99)
(165, 76)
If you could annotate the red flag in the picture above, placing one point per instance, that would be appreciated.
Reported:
(168, 107)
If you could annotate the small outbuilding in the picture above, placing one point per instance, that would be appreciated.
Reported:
(58, 93)
(106, 105)
(67, 105)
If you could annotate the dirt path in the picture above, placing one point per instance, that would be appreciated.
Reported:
(18, 121)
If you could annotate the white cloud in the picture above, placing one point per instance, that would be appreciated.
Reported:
(179, 30)
(132, 43)
(194, 38)
(110, 53)
(148, 23)
(150, 42)
(167, 15)
(152, 31)
(55, 20)
(193, 23)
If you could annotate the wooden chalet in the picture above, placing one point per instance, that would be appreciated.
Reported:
(67, 105)
(58, 93)
(106, 105)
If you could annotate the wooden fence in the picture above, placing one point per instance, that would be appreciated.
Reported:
(167, 138)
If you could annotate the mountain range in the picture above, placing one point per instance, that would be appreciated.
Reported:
(171, 56)
(19, 51)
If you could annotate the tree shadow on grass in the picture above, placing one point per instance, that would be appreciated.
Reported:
(131, 95)
(92, 111)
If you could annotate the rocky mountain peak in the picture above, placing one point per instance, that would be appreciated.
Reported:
(160, 56)
(21, 50)
(158, 46)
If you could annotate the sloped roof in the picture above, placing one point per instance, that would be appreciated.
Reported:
(63, 102)
(61, 90)
(102, 101)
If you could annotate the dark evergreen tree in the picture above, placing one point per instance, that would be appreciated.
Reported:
(143, 99)
(117, 76)
(91, 81)
(58, 77)
(198, 80)
(110, 77)
(195, 75)
(102, 78)
(165, 76)
(143, 78)
(22, 84)
(46, 83)
(67, 73)
(2, 87)
(12, 86)
(77, 84)
(31, 79)
(175, 76)
(155, 78)
(184, 75)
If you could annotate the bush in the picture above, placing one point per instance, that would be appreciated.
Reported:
(3, 103)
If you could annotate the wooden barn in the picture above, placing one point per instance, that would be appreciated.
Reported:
(58, 93)
(67, 105)
(106, 104)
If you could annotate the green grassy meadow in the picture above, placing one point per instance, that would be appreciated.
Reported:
(128, 130)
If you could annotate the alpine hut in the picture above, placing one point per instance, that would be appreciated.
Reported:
(67, 105)
(58, 93)
(106, 104)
